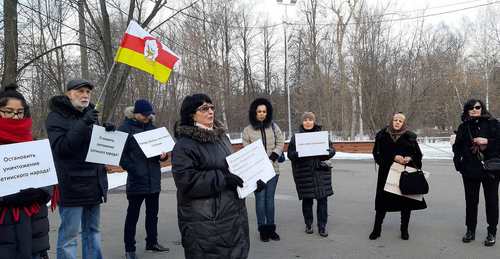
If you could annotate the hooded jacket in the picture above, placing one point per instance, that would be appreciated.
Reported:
(212, 219)
(312, 176)
(268, 131)
(144, 174)
(81, 183)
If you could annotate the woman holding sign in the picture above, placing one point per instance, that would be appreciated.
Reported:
(24, 227)
(313, 178)
(395, 144)
(262, 127)
(212, 219)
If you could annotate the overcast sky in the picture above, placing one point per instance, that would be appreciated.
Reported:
(401, 8)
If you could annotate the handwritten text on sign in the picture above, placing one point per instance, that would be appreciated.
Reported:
(26, 165)
(154, 142)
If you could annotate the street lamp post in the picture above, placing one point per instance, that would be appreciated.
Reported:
(285, 81)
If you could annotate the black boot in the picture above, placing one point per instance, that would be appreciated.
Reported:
(264, 233)
(469, 236)
(131, 255)
(405, 220)
(377, 226)
(272, 233)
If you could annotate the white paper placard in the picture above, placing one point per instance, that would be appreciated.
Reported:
(392, 182)
(154, 142)
(251, 164)
(312, 143)
(26, 165)
(106, 147)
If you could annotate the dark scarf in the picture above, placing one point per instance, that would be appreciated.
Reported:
(15, 131)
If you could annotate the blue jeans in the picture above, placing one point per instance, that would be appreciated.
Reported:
(71, 219)
(264, 203)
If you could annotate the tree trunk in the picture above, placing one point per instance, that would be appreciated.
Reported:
(10, 42)
(83, 40)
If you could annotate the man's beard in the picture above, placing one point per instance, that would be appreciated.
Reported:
(79, 105)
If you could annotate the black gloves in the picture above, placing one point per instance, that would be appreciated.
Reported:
(260, 186)
(273, 157)
(233, 181)
(109, 126)
(90, 117)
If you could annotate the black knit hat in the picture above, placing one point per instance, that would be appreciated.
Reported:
(189, 106)
(10, 92)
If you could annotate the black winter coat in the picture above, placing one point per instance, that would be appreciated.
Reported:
(465, 161)
(144, 174)
(80, 183)
(212, 219)
(313, 177)
(384, 152)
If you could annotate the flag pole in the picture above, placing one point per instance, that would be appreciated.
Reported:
(105, 85)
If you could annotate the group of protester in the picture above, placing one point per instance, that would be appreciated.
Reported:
(212, 219)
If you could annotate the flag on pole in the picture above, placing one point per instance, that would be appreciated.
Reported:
(141, 50)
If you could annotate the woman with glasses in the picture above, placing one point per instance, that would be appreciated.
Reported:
(395, 144)
(476, 140)
(263, 127)
(24, 227)
(212, 219)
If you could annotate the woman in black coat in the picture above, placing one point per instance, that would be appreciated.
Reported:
(395, 143)
(212, 219)
(477, 137)
(24, 226)
(313, 178)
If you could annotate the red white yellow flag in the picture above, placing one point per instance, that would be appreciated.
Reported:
(141, 50)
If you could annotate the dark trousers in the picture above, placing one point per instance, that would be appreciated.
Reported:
(321, 211)
(490, 187)
(134, 207)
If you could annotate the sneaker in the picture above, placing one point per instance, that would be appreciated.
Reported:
(322, 232)
(309, 229)
(490, 240)
(469, 236)
(157, 248)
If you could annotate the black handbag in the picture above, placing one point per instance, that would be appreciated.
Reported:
(492, 165)
(413, 183)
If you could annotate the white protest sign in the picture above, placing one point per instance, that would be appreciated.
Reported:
(106, 147)
(26, 165)
(251, 164)
(312, 143)
(154, 142)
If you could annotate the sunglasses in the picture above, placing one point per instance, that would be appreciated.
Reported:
(205, 108)
(477, 107)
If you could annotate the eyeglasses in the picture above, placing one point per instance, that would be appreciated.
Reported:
(205, 108)
(10, 114)
(477, 107)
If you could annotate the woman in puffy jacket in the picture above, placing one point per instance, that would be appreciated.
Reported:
(313, 178)
(212, 219)
(24, 227)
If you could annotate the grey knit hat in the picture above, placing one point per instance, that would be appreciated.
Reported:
(309, 115)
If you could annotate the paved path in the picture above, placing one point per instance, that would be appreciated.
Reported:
(434, 233)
